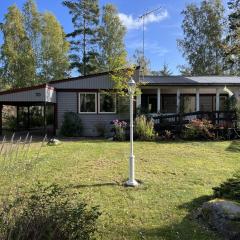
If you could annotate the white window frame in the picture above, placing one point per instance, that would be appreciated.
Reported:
(79, 102)
(99, 104)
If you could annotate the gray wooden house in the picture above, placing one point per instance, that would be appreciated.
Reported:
(86, 96)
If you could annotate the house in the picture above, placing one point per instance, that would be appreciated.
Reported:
(87, 96)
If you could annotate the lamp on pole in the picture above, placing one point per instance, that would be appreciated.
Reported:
(131, 181)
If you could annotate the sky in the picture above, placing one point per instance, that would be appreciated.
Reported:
(162, 28)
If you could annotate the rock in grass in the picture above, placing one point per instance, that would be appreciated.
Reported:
(53, 142)
(223, 216)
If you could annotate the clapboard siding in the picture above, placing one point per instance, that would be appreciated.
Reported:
(67, 102)
(34, 95)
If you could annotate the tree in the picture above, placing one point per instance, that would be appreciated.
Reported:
(85, 19)
(54, 55)
(32, 23)
(16, 52)
(232, 45)
(202, 43)
(142, 61)
(112, 54)
(165, 71)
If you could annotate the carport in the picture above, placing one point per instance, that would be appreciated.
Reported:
(41, 98)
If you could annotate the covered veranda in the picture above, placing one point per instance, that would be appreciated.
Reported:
(31, 109)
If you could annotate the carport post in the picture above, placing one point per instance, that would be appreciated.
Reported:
(1, 107)
(28, 117)
(45, 118)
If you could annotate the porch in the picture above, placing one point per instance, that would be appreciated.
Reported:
(172, 100)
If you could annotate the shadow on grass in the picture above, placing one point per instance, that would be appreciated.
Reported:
(107, 184)
(234, 146)
(188, 228)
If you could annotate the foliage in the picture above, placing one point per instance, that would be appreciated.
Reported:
(120, 77)
(34, 48)
(141, 61)
(199, 129)
(72, 125)
(231, 45)
(101, 129)
(16, 52)
(10, 122)
(165, 71)
(84, 40)
(54, 58)
(47, 213)
(32, 22)
(230, 103)
(229, 189)
(111, 40)
(144, 128)
(119, 128)
(202, 43)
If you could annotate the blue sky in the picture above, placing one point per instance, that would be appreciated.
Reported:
(161, 30)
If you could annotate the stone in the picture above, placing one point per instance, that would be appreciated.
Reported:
(53, 142)
(222, 216)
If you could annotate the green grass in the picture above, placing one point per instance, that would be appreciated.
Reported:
(176, 177)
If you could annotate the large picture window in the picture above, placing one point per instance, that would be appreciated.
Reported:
(107, 103)
(87, 103)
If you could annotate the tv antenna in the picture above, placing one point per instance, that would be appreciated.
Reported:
(142, 17)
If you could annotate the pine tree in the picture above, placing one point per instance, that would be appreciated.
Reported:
(111, 40)
(16, 52)
(54, 55)
(165, 71)
(85, 19)
(202, 43)
(232, 46)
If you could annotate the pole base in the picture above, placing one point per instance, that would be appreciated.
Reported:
(131, 183)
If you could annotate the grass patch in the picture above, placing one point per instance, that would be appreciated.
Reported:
(177, 176)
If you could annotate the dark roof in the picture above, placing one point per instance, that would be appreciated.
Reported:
(15, 90)
(197, 80)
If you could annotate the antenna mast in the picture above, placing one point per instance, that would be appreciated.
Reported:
(142, 17)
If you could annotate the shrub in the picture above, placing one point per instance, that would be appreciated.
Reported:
(47, 213)
(144, 128)
(119, 129)
(10, 122)
(101, 129)
(230, 189)
(199, 129)
(72, 125)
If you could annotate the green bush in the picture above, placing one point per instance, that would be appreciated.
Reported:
(144, 128)
(10, 122)
(229, 189)
(72, 125)
(47, 213)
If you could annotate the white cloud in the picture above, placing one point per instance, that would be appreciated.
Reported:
(135, 23)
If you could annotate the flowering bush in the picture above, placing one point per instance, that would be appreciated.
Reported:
(200, 129)
(119, 128)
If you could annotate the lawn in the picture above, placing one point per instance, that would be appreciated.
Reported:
(177, 177)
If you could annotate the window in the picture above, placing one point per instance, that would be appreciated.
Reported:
(87, 103)
(107, 103)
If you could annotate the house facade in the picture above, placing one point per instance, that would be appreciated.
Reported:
(88, 97)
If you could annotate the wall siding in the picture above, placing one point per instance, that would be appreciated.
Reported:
(68, 101)
(96, 82)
